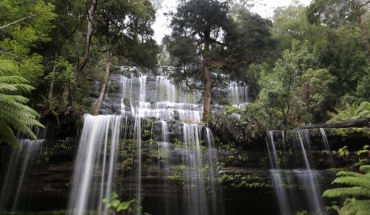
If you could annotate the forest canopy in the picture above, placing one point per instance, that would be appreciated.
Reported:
(303, 66)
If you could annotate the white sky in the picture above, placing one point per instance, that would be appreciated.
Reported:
(264, 7)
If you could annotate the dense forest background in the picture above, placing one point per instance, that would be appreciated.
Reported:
(307, 65)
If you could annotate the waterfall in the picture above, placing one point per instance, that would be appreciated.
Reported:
(327, 147)
(21, 163)
(201, 194)
(290, 199)
(193, 174)
(277, 176)
(168, 102)
(102, 152)
(96, 160)
(214, 189)
(238, 94)
(164, 165)
(308, 177)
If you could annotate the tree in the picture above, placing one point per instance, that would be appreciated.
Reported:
(248, 40)
(344, 55)
(290, 23)
(20, 36)
(205, 22)
(339, 13)
(208, 37)
(15, 115)
(73, 42)
(294, 92)
(345, 51)
(124, 30)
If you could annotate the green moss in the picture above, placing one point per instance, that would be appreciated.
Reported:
(239, 181)
(346, 132)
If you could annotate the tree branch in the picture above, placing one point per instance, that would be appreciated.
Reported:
(19, 20)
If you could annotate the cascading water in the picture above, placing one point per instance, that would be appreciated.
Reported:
(21, 163)
(327, 147)
(278, 176)
(102, 144)
(95, 163)
(308, 176)
(305, 178)
(166, 103)
(164, 165)
(214, 189)
(193, 174)
(238, 94)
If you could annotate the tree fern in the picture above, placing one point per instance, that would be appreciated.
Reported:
(357, 186)
(356, 207)
(15, 115)
(351, 112)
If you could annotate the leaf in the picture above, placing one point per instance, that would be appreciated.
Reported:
(115, 203)
(123, 206)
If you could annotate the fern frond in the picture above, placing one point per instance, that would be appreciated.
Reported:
(348, 173)
(7, 135)
(354, 181)
(365, 169)
(357, 207)
(346, 192)
(15, 115)
(351, 112)
(363, 114)
(12, 79)
(7, 67)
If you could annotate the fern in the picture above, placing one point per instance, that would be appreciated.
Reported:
(356, 207)
(15, 115)
(365, 169)
(351, 112)
(357, 186)
(347, 192)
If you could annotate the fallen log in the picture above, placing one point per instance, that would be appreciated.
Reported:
(345, 124)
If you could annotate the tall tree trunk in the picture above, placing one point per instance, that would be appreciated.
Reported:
(51, 86)
(361, 24)
(208, 86)
(105, 81)
(89, 32)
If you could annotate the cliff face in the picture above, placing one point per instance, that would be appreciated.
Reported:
(244, 176)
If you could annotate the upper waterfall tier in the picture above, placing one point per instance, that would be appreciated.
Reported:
(159, 97)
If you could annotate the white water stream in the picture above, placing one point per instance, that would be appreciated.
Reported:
(96, 164)
(306, 177)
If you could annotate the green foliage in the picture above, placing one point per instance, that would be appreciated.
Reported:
(345, 57)
(315, 92)
(18, 39)
(248, 40)
(241, 126)
(301, 213)
(363, 156)
(335, 13)
(356, 189)
(239, 181)
(279, 89)
(351, 112)
(63, 78)
(343, 152)
(117, 206)
(15, 115)
(290, 23)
